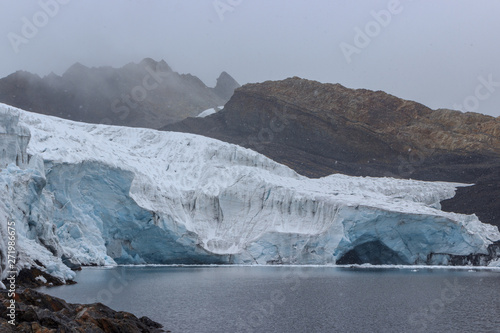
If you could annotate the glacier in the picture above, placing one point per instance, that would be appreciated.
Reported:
(85, 194)
(25, 205)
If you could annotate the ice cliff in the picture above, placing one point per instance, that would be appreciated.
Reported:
(98, 194)
(24, 203)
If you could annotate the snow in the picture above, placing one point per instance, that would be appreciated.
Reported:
(100, 194)
(41, 278)
(495, 263)
(14, 139)
(210, 111)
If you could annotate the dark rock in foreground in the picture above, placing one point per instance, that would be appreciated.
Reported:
(34, 278)
(319, 129)
(37, 312)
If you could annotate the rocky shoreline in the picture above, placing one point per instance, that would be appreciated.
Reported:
(36, 312)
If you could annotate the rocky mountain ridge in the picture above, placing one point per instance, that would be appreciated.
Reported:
(148, 94)
(318, 129)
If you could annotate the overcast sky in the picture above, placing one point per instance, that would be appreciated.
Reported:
(442, 53)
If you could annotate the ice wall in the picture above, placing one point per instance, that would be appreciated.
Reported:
(14, 138)
(25, 204)
(97, 194)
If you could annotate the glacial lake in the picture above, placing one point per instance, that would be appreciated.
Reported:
(296, 299)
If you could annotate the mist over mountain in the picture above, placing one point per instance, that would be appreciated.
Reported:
(319, 129)
(225, 86)
(148, 94)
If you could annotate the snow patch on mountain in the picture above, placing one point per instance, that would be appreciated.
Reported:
(210, 111)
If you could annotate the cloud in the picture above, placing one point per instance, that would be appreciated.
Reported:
(431, 52)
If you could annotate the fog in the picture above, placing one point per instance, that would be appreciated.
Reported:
(441, 53)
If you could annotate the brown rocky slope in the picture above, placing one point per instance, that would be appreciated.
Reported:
(319, 129)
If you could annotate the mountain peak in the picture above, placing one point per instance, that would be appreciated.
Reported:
(155, 65)
(143, 94)
(77, 67)
(225, 85)
(51, 75)
(77, 70)
(24, 75)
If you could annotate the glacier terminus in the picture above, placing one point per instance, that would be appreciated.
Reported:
(84, 194)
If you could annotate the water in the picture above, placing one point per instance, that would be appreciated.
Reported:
(296, 299)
